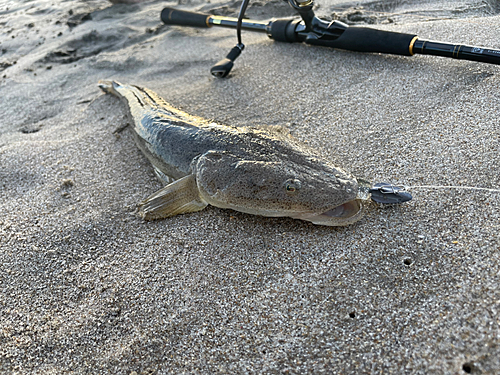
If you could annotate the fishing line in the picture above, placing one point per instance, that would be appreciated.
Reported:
(451, 187)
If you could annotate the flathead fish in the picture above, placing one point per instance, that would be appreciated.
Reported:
(260, 171)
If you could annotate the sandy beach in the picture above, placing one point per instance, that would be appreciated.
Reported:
(88, 287)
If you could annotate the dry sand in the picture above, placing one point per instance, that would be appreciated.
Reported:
(88, 287)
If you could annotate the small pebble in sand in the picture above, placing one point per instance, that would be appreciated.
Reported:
(126, 1)
(66, 183)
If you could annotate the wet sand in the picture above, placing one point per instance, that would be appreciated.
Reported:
(89, 287)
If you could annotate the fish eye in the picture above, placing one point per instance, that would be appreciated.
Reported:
(292, 186)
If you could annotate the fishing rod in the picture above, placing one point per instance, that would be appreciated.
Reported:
(312, 30)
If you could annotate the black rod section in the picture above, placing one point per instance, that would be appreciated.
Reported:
(457, 51)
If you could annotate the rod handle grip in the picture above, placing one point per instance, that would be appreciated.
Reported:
(171, 16)
(365, 39)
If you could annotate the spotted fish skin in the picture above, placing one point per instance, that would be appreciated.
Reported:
(262, 171)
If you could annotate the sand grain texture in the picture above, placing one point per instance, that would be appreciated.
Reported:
(88, 287)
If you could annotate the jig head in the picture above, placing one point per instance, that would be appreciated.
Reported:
(387, 193)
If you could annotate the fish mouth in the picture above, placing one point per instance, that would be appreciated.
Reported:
(345, 214)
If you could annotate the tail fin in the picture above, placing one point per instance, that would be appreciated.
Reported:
(109, 87)
(130, 95)
(140, 99)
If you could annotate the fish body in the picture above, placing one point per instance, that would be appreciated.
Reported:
(261, 171)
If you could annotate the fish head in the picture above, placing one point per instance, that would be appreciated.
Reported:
(308, 189)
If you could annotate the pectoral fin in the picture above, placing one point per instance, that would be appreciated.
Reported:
(179, 197)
